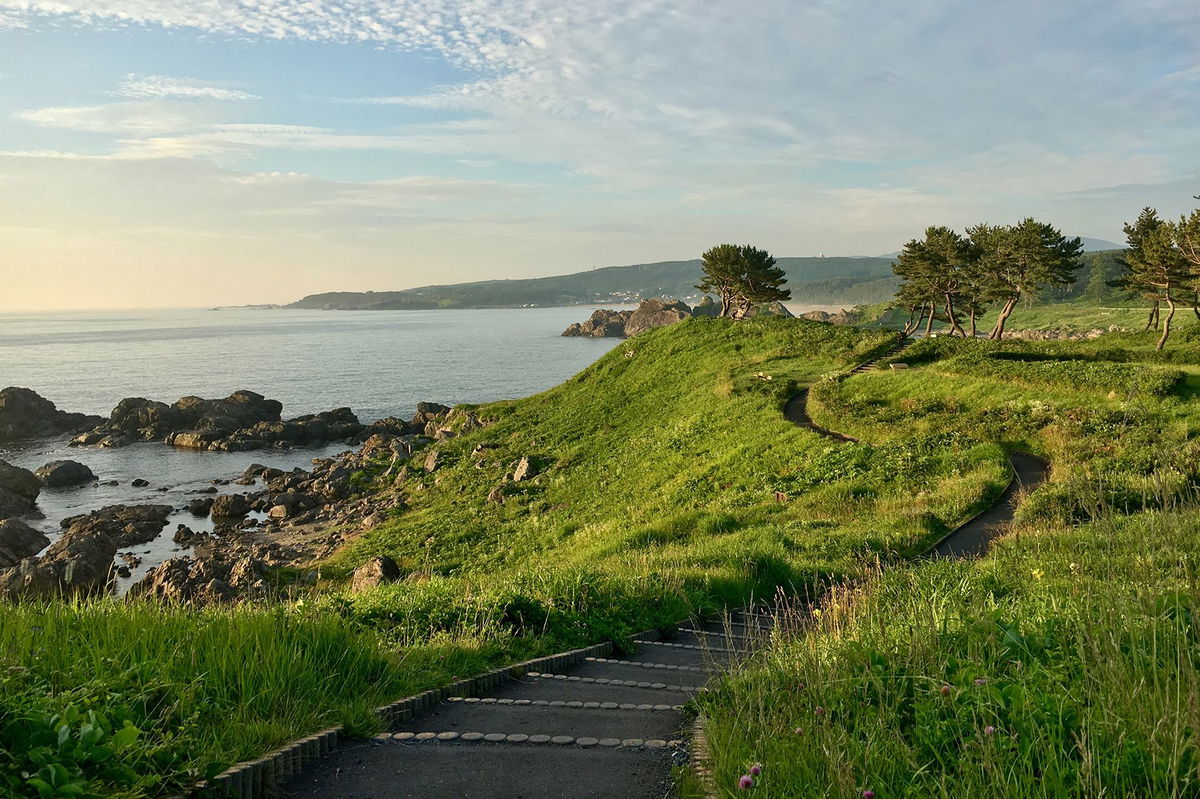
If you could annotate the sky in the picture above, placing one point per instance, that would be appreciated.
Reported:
(162, 153)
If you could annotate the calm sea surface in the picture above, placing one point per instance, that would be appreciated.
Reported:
(379, 363)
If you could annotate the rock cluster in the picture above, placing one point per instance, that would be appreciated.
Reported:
(621, 324)
(19, 541)
(242, 421)
(25, 414)
(80, 563)
(1060, 334)
(237, 571)
(604, 323)
(654, 313)
(842, 317)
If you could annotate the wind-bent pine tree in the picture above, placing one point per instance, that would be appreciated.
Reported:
(1155, 265)
(722, 267)
(1187, 238)
(1023, 259)
(742, 277)
(939, 271)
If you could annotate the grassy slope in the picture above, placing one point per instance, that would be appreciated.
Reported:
(1063, 663)
(661, 464)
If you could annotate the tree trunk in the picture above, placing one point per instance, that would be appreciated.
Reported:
(955, 327)
(1166, 328)
(1152, 319)
(724, 304)
(998, 331)
(972, 321)
(929, 324)
(913, 322)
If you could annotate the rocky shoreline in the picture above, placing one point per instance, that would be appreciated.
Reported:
(652, 313)
(283, 518)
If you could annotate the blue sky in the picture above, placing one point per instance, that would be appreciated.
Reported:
(165, 152)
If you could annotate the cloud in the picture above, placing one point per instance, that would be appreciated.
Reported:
(124, 118)
(159, 87)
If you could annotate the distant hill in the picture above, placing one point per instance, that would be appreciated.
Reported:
(1099, 245)
(813, 281)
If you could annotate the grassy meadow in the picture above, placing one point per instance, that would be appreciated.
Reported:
(667, 482)
(1063, 663)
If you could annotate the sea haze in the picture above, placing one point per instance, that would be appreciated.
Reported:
(379, 363)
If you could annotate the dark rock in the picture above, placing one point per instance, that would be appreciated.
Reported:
(428, 412)
(377, 571)
(124, 573)
(656, 313)
(78, 564)
(201, 507)
(230, 506)
(127, 525)
(139, 483)
(25, 414)
(19, 541)
(202, 580)
(57, 474)
(19, 489)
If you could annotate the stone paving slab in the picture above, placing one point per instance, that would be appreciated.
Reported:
(637, 673)
(652, 653)
(551, 689)
(430, 770)
(609, 721)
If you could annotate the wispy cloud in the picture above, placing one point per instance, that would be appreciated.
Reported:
(160, 87)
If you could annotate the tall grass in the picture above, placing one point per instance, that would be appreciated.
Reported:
(1064, 664)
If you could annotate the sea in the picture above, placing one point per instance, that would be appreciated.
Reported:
(378, 363)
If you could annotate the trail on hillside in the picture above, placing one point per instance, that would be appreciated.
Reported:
(971, 538)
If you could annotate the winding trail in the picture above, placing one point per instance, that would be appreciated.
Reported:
(609, 726)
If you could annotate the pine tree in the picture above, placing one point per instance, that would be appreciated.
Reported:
(1023, 259)
(742, 277)
(1155, 264)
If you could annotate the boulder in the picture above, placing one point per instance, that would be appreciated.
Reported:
(656, 313)
(431, 461)
(526, 468)
(19, 541)
(201, 507)
(707, 307)
(428, 412)
(25, 414)
(58, 474)
(377, 571)
(19, 489)
(771, 309)
(230, 506)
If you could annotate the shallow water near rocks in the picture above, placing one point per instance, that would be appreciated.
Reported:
(379, 363)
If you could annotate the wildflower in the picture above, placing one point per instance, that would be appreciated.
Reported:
(989, 730)
(945, 690)
(981, 680)
(756, 769)
(799, 730)
(746, 782)
(820, 711)
(1038, 574)
(868, 794)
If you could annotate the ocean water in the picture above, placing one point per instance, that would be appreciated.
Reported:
(379, 363)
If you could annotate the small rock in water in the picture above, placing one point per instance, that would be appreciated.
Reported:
(60, 474)
(139, 483)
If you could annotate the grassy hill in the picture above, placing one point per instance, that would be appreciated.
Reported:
(1058, 665)
(818, 281)
(667, 481)
(656, 496)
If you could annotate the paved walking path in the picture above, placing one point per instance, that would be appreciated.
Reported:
(609, 727)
